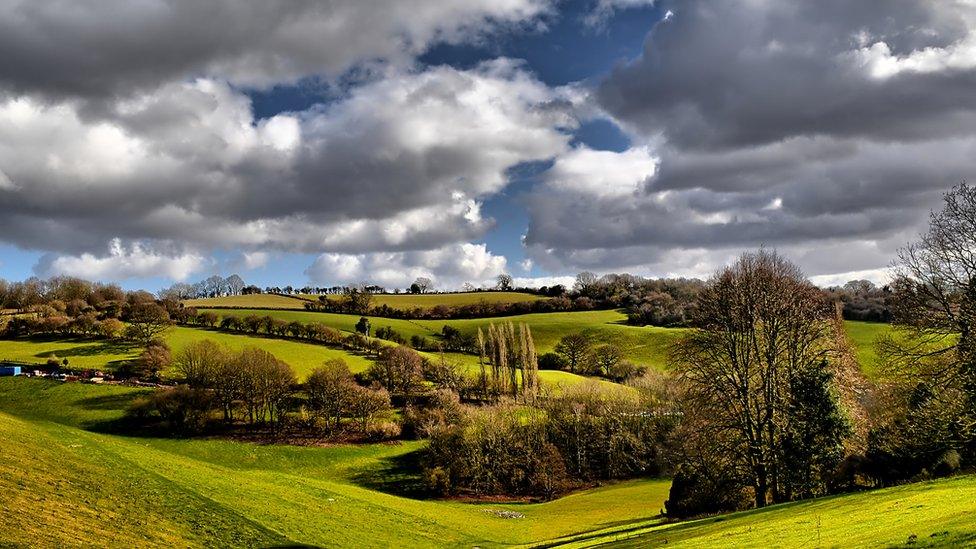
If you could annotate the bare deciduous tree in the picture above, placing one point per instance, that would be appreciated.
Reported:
(759, 325)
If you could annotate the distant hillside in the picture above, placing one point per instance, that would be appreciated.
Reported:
(395, 301)
(252, 301)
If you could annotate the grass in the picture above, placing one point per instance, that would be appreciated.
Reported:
(106, 355)
(254, 301)
(395, 301)
(105, 489)
(865, 335)
(64, 481)
(645, 345)
(426, 301)
(936, 513)
(303, 357)
(80, 352)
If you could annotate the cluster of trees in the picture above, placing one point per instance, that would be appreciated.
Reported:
(135, 316)
(253, 387)
(761, 414)
(579, 437)
(862, 300)
(582, 353)
(68, 291)
(213, 286)
(773, 407)
(508, 362)
(359, 301)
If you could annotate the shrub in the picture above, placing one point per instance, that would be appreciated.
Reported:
(382, 430)
(695, 492)
(182, 408)
(552, 361)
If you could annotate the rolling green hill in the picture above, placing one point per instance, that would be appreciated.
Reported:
(65, 479)
(254, 301)
(646, 345)
(64, 485)
(426, 301)
(926, 514)
(101, 354)
(395, 301)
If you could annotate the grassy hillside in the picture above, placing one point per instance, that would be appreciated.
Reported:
(645, 345)
(937, 513)
(103, 489)
(865, 335)
(82, 353)
(395, 301)
(426, 301)
(61, 466)
(255, 301)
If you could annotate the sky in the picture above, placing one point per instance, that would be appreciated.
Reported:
(299, 142)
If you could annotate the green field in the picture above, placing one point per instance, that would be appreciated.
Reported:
(645, 345)
(395, 301)
(426, 301)
(100, 354)
(66, 480)
(255, 301)
(927, 514)
(865, 335)
(72, 486)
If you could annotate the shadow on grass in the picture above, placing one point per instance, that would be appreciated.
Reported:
(89, 348)
(291, 339)
(397, 475)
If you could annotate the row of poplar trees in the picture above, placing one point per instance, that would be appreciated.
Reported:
(509, 365)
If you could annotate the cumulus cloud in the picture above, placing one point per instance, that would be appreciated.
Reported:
(255, 260)
(449, 267)
(122, 262)
(387, 168)
(96, 49)
(819, 129)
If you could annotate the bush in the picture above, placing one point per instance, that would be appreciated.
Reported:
(695, 492)
(444, 410)
(552, 361)
(382, 430)
(182, 408)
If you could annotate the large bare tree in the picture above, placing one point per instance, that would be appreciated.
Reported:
(933, 305)
(759, 325)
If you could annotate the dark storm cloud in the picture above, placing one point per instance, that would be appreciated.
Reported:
(727, 74)
(98, 48)
(789, 123)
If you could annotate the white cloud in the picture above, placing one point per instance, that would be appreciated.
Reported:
(134, 261)
(449, 267)
(540, 281)
(386, 168)
(255, 260)
(603, 10)
(602, 174)
(879, 276)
